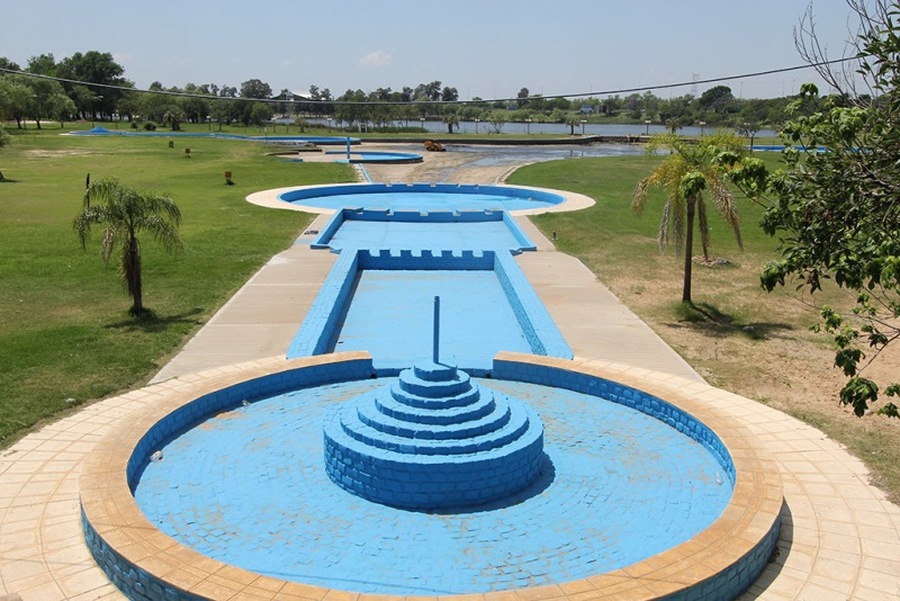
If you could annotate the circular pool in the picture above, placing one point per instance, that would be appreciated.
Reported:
(378, 157)
(422, 197)
(233, 474)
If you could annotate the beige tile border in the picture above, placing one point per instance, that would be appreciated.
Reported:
(109, 506)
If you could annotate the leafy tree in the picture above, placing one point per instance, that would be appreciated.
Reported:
(836, 213)
(98, 68)
(715, 99)
(634, 104)
(61, 108)
(428, 91)
(687, 171)
(43, 102)
(749, 129)
(16, 99)
(5, 63)
(255, 88)
(260, 113)
(522, 97)
(195, 109)
(44, 64)
(611, 105)
(651, 104)
(677, 113)
(497, 119)
(83, 98)
(220, 112)
(123, 213)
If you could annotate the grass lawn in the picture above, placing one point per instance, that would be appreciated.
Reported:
(65, 335)
(742, 339)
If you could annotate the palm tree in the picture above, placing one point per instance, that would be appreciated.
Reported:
(123, 212)
(689, 170)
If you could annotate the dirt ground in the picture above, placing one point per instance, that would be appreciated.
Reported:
(786, 368)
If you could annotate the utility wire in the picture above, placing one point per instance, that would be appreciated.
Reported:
(612, 92)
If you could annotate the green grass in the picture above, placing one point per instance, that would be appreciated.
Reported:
(65, 336)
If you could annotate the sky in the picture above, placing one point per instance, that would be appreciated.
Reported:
(483, 48)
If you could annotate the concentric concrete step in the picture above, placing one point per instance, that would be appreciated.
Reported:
(434, 440)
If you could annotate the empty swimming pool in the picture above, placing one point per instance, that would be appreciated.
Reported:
(422, 197)
(381, 302)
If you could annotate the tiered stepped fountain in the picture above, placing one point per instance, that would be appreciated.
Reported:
(434, 440)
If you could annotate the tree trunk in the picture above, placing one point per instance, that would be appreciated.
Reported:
(688, 250)
(133, 276)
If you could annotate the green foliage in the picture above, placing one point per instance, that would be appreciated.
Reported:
(834, 207)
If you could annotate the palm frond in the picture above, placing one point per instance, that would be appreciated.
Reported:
(664, 225)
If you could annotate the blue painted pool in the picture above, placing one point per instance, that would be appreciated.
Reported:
(435, 231)
(381, 302)
(394, 234)
(390, 316)
(248, 487)
(421, 197)
(374, 156)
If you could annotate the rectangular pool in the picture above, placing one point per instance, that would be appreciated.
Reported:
(383, 303)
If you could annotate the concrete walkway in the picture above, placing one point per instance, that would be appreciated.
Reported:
(840, 539)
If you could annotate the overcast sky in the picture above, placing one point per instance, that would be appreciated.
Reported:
(483, 48)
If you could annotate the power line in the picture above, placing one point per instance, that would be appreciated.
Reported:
(650, 88)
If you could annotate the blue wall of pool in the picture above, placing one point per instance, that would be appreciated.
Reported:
(436, 230)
